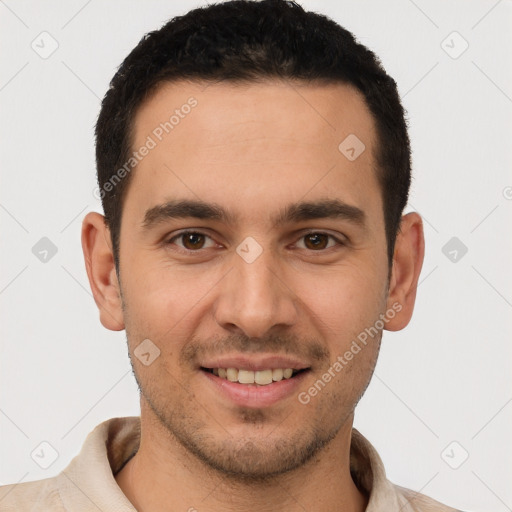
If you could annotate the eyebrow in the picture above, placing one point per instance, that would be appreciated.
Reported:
(292, 213)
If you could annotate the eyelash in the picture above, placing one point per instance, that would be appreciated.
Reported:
(190, 251)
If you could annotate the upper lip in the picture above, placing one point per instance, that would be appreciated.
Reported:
(255, 362)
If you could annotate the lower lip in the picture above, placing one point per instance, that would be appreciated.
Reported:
(253, 395)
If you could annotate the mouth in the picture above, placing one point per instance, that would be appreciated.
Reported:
(255, 380)
(262, 377)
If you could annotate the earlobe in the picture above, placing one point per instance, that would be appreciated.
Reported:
(99, 263)
(407, 263)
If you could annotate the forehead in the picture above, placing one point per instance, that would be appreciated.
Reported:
(254, 146)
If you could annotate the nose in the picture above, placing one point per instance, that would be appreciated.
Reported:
(255, 298)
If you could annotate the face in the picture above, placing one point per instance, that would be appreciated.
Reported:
(249, 241)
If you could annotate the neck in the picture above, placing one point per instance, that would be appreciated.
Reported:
(164, 477)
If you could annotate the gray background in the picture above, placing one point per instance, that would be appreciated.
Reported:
(442, 387)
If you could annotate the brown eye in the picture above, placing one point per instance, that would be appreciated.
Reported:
(316, 241)
(193, 240)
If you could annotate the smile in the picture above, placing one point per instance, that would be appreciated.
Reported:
(258, 377)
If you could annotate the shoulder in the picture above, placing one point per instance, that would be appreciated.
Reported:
(87, 478)
(413, 501)
(37, 496)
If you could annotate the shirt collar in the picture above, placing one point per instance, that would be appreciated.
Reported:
(112, 443)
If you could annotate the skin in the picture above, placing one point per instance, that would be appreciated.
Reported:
(252, 149)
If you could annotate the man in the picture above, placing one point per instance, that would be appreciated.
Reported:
(254, 163)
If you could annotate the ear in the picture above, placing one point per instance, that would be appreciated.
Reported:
(99, 263)
(407, 262)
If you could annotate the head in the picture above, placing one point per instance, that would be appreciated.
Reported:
(280, 145)
(222, 43)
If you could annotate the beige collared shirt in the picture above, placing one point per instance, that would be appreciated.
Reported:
(88, 484)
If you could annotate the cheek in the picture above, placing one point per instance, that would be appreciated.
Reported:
(343, 300)
(163, 299)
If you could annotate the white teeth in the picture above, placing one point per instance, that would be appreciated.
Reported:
(263, 377)
(277, 374)
(232, 374)
(245, 377)
(260, 377)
